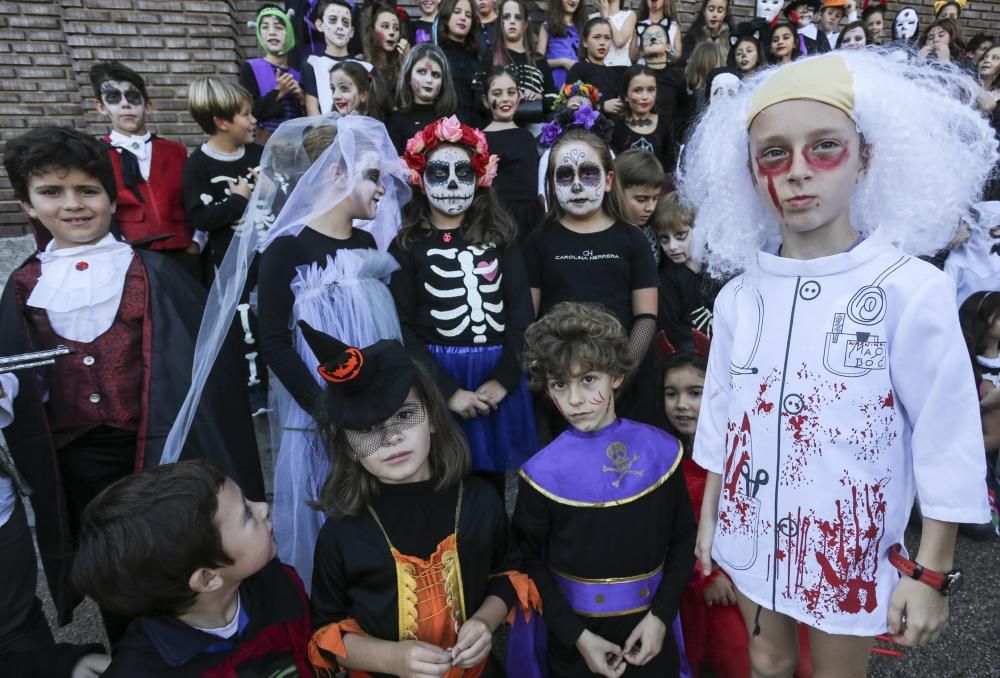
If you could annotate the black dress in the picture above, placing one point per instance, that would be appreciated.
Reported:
(516, 180)
(607, 79)
(464, 66)
(654, 139)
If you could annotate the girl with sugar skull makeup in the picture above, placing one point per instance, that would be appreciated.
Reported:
(462, 293)
(587, 252)
(804, 187)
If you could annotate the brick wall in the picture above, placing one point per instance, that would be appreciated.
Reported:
(47, 48)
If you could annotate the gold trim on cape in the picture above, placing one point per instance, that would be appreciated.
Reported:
(609, 580)
(604, 504)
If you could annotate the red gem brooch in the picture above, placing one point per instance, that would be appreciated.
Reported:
(82, 266)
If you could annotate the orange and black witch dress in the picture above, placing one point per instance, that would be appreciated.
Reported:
(413, 566)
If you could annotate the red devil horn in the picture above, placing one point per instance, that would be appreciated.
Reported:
(701, 342)
(663, 345)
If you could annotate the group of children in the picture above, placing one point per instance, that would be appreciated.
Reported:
(405, 309)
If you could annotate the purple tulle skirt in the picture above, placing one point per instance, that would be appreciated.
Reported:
(501, 441)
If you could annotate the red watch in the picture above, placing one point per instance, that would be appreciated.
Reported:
(944, 583)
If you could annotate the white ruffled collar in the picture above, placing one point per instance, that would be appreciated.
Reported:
(81, 287)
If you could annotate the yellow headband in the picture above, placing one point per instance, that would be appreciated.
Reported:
(824, 79)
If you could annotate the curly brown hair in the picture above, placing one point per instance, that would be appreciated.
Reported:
(574, 338)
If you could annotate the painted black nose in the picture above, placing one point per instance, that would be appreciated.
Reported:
(452, 185)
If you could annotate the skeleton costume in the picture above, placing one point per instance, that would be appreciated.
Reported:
(821, 412)
(466, 305)
(336, 285)
(418, 560)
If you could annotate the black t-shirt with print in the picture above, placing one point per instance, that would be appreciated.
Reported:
(602, 267)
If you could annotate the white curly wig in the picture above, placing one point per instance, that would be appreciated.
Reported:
(931, 152)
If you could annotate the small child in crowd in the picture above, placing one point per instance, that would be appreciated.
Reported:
(409, 574)
(609, 604)
(148, 169)
(424, 93)
(271, 81)
(181, 549)
(559, 37)
(356, 90)
(687, 293)
(335, 19)
(591, 68)
(641, 177)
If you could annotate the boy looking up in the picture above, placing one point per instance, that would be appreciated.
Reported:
(147, 168)
(335, 19)
(184, 552)
(609, 602)
(131, 316)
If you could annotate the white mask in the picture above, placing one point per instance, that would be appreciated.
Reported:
(449, 180)
(905, 24)
(768, 9)
(725, 83)
(579, 180)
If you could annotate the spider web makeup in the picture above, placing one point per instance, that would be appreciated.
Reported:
(367, 442)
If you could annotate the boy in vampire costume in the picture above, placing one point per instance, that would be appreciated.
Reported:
(131, 318)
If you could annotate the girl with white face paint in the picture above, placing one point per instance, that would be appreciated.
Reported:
(462, 293)
(587, 252)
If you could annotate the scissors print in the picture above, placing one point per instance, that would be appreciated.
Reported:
(752, 486)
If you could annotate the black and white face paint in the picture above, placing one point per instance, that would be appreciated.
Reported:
(449, 180)
(579, 179)
(114, 91)
(125, 105)
(905, 23)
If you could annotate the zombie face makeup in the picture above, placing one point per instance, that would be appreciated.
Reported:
(346, 97)
(387, 30)
(580, 180)
(368, 189)
(124, 104)
(336, 27)
(449, 180)
(904, 26)
(768, 9)
(512, 23)
(806, 161)
(676, 243)
(425, 80)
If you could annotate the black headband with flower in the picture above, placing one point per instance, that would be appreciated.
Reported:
(585, 117)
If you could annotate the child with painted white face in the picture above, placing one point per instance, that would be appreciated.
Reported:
(799, 429)
(397, 497)
(355, 90)
(335, 20)
(624, 481)
(424, 93)
(588, 252)
(462, 293)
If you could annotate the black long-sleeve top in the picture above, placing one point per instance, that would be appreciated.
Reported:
(208, 202)
(501, 284)
(402, 125)
(600, 543)
(607, 79)
(464, 65)
(517, 173)
(267, 105)
(278, 266)
(686, 302)
(355, 574)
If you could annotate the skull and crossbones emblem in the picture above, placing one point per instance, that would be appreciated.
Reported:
(620, 462)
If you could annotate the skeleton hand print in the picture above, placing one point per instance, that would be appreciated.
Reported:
(477, 278)
(449, 180)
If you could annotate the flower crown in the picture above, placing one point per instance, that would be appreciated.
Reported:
(450, 131)
(585, 117)
(577, 89)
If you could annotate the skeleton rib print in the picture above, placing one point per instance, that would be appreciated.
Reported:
(471, 278)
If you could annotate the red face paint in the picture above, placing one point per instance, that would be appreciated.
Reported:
(771, 169)
(598, 399)
(825, 162)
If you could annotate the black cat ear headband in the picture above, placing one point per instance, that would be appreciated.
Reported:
(748, 29)
(663, 23)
